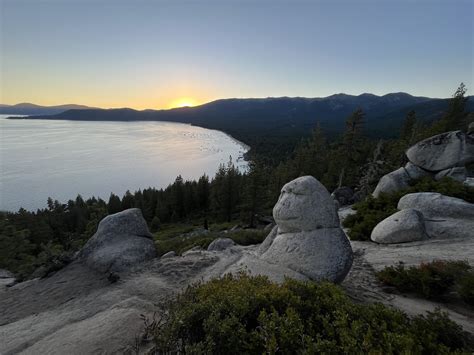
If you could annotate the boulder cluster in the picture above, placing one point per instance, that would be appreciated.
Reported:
(307, 241)
(443, 155)
(426, 215)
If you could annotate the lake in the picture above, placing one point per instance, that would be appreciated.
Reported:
(60, 159)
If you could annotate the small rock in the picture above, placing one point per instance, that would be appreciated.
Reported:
(344, 195)
(393, 181)
(401, 227)
(220, 244)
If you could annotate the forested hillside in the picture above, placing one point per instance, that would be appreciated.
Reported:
(274, 126)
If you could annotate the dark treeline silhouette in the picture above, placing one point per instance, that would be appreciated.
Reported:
(30, 239)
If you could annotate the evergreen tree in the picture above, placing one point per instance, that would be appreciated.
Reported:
(408, 130)
(455, 116)
(114, 205)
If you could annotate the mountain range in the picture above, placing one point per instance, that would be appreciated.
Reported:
(253, 119)
(26, 108)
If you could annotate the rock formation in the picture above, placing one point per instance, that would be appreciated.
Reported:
(443, 151)
(122, 240)
(445, 216)
(308, 238)
(443, 155)
(404, 226)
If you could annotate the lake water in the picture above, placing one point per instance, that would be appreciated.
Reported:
(60, 159)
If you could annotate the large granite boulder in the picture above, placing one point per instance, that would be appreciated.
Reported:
(445, 216)
(443, 151)
(320, 254)
(220, 244)
(434, 205)
(304, 204)
(399, 179)
(308, 238)
(122, 240)
(401, 227)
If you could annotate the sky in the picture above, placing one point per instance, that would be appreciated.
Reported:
(162, 54)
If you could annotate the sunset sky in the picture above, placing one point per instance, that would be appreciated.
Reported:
(161, 54)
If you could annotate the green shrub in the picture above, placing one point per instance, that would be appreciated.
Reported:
(372, 210)
(431, 280)
(465, 288)
(251, 315)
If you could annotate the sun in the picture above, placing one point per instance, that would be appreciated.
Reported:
(183, 102)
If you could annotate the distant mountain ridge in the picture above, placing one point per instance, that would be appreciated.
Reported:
(253, 119)
(26, 108)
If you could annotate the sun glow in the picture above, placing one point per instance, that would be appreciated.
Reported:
(183, 102)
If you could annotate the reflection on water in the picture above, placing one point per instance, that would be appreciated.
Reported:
(64, 158)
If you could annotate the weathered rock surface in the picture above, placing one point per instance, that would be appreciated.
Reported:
(267, 241)
(445, 216)
(220, 244)
(122, 240)
(169, 254)
(434, 205)
(458, 173)
(399, 179)
(5, 274)
(308, 239)
(443, 151)
(304, 204)
(321, 254)
(393, 181)
(401, 227)
(449, 228)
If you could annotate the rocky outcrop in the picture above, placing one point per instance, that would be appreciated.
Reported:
(122, 240)
(434, 205)
(443, 151)
(220, 244)
(445, 216)
(308, 238)
(443, 155)
(399, 179)
(401, 227)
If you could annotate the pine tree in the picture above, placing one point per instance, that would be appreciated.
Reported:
(114, 204)
(408, 130)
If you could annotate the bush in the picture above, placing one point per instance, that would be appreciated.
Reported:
(251, 315)
(465, 287)
(372, 210)
(432, 280)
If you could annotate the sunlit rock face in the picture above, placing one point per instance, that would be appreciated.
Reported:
(308, 238)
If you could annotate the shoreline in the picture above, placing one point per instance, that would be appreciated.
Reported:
(238, 157)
